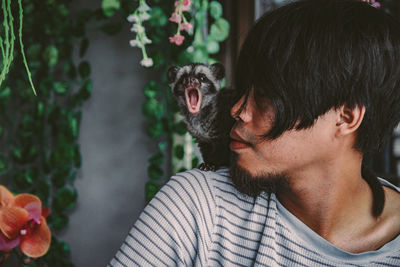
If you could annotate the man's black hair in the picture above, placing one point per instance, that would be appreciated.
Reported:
(314, 55)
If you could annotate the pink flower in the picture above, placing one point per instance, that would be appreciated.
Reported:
(175, 17)
(177, 39)
(186, 5)
(373, 3)
(376, 5)
(186, 26)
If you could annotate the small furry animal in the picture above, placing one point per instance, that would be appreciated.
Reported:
(206, 109)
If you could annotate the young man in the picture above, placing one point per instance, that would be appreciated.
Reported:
(320, 87)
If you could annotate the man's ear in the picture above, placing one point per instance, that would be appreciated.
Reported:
(171, 73)
(349, 119)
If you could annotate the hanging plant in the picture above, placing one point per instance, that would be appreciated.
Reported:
(7, 42)
(39, 130)
(177, 32)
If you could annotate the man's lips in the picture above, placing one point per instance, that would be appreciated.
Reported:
(237, 142)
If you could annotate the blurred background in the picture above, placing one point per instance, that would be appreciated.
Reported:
(102, 135)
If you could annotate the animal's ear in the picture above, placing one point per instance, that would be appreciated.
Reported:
(171, 73)
(218, 70)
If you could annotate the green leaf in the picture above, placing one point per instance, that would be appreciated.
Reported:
(43, 190)
(180, 128)
(51, 55)
(151, 89)
(25, 179)
(153, 109)
(63, 10)
(219, 30)
(158, 59)
(77, 157)
(215, 9)
(110, 6)
(40, 109)
(17, 154)
(5, 93)
(65, 199)
(162, 145)
(70, 70)
(151, 190)
(179, 151)
(155, 129)
(195, 162)
(60, 87)
(155, 172)
(74, 125)
(84, 69)
(183, 169)
(3, 165)
(200, 55)
(34, 51)
(60, 176)
(212, 46)
(212, 61)
(157, 159)
(157, 17)
(83, 47)
(58, 222)
(153, 86)
(86, 90)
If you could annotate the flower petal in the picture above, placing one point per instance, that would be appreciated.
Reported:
(35, 210)
(11, 220)
(5, 196)
(45, 212)
(37, 244)
(8, 244)
(22, 200)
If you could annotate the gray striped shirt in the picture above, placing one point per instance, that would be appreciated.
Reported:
(200, 219)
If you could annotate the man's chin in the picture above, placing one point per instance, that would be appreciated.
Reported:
(252, 185)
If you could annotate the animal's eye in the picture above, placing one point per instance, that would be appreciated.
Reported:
(202, 78)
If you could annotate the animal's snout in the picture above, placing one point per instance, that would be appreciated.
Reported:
(191, 81)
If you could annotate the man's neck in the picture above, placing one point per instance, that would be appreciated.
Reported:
(335, 202)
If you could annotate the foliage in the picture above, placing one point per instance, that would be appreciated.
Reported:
(159, 108)
(38, 134)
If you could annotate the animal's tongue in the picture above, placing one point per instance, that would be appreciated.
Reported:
(194, 98)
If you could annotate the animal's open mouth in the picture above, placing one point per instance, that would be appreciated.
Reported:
(193, 99)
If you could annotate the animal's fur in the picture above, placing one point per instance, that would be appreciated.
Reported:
(210, 126)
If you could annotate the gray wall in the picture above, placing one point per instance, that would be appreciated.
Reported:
(114, 150)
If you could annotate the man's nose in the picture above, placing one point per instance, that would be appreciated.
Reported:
(241, 110)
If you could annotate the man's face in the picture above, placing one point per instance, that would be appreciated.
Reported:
(290, 154)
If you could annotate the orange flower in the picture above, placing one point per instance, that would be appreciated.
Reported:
(23, 223)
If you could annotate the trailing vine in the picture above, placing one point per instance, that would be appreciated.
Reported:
(39, 133)
(178, 32)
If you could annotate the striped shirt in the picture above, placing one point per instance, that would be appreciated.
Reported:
(200, 219)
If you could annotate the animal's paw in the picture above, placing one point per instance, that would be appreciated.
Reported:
(207, 167)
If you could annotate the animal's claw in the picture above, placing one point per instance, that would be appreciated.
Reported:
(207, 167)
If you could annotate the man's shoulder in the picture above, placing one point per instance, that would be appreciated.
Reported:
(218, 182)
(392, 199)
(209, 178)
(390, 218)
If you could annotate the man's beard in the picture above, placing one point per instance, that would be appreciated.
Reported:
(251, 185)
